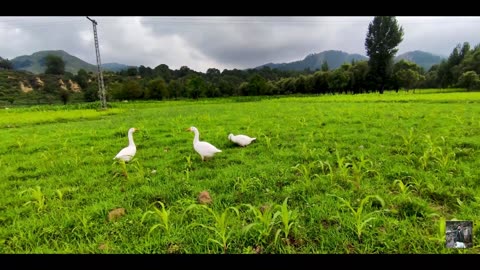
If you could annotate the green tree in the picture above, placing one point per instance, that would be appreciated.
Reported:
(163, 71)
(407, 78)
(407, 74)
(183, 71)
(443, 74)
(145, 71)
(472, 61)
(132, 90)
(211, 90)
(50, 86)
(242, 89)
(383, 36)
(272, 88)
(359, 76)
(431, 78)
(455, 64)
(257, 85)
(176, 89)
(451, 69)
(338, 80)
(320, 82)
(90, 93)
(226, 87)
(195, 87)
(324, 66)
(156, 89)
(469, 80)
(290, 86)
(115, 90)
(212, 73)
(81, 78)
(5, 64)
(132, 71)
(64, 96)
(55, 65)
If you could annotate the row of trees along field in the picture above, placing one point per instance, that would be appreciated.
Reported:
(378, 74)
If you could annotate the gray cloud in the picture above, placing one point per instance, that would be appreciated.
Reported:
(221, 42)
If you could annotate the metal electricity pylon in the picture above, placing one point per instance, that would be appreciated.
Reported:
(101, 87)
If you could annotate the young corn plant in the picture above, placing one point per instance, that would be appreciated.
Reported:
(440, 236)
(267, 140)
(123, 167)
(359, 168)
(408, 141)
(324, 166)
(187, 174)
(64, 191)
(428, 153)
(139, 168)
(243, 185)
(306, 172)
(343, 166)
(221, 227)
(264, 222)
(361, 218)
(288, 219)
(189, 164)
(86, 225)
(459, 120)
(307, 152)
(163, 216)
(20, 143)
(405, 188)
(444, 159)
(38, 198)
(425, 158)
(303, 121)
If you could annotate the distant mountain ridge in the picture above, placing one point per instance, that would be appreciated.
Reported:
(115, 67)
(314, 61)
(336, 58)
(421, 58)
(35, 63)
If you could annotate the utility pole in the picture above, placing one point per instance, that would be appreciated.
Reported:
(101, 87)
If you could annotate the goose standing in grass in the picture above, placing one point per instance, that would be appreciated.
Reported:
(205, 149)
(242, 140)
(127, 153)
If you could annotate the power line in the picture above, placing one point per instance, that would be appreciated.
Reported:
(225, 21)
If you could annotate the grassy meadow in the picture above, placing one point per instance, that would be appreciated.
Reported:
(327, 174)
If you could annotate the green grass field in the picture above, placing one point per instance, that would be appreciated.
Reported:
(330, 174)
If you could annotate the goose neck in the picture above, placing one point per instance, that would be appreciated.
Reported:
(130, 139)
(196, 139)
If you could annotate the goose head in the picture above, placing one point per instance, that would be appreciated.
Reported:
(192, 129)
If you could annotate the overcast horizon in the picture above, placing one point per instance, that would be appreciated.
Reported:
(221, 42)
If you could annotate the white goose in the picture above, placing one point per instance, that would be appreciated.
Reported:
(127, 153)
(205, 149)
(242, 140)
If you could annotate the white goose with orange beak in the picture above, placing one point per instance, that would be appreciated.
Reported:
(242, 140)
(127, 153)
(205, 149)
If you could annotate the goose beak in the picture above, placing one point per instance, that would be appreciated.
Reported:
(188, 129)
(136, 129)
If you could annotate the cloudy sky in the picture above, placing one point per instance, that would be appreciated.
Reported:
(220, 42)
